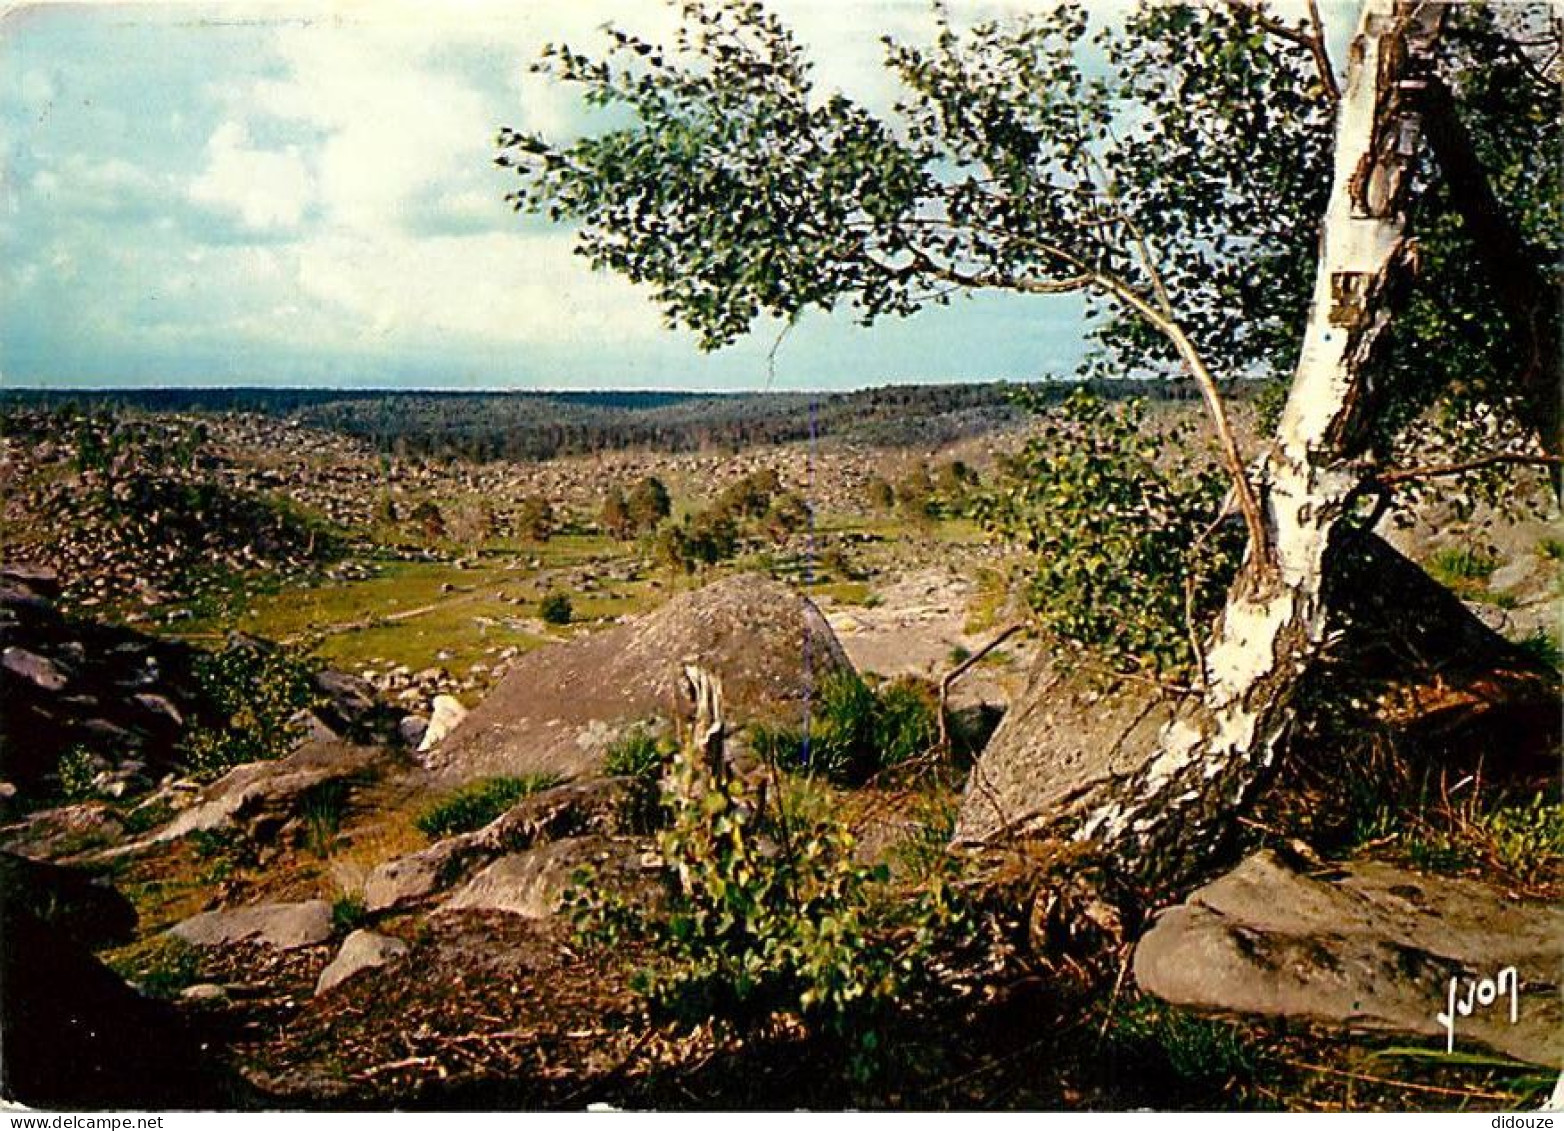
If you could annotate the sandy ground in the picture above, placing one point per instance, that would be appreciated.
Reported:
(921, 618)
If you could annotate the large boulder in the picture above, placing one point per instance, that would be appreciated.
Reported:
(1058, 750)
(1428, 670)
(594, 807)
(559, 708)
(1366, 947)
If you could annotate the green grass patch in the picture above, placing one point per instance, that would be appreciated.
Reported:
(844, 592)
(1544, 647)
(856, 730)
(475, 805)
(1465, 569)
(348, 913)
(1194, 1054)
(161, 965)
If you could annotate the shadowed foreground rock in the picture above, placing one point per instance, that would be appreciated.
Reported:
(1370, 947)
(558, 708)
(73, 1034)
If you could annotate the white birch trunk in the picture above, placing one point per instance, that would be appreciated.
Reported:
(1164, 819)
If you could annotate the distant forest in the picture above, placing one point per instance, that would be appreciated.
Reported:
(541, 425)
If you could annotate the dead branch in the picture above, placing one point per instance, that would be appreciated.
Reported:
(961, 669)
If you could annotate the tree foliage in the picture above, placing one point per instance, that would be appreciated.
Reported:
(1181, 188)
(1126, 562)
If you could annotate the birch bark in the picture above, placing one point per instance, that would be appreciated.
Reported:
(1163, 820)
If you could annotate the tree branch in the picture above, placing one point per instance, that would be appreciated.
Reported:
(1436, 470)
(960, 670)
(1160, 319)
(1314, 43)
(1514, 268)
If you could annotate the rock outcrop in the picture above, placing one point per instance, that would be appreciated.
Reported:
(594, 807)
(533, 883)
(285, 926)
(118, 696)
(558, 708)
(1432, 673)
(1368, 947)
(260, 799)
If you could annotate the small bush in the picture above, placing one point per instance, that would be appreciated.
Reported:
(905, 725)
(855, 730)
(148, 816)
(1544, 647)
(639, 755)
(475, 805)
(162, 967)
(77, 768)
(348, 913)
(1462, 566)
(322, 810)
(555, 609)
(1198, 1053)
(1527, 840)
(253, 692)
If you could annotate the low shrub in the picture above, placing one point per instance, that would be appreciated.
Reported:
(77, 769)
(253, 691)
(475, 805)
(555, 608)
(322, 809)
(855, 731)
(348, 913)
(1462, 567)
(639, 755)
(771, 916)
(1198, 1053)
(161, 967)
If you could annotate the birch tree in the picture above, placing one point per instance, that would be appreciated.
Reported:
(735, 190)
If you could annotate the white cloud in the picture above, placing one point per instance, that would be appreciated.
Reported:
(491, 287)
(265, 189)
(392, 122)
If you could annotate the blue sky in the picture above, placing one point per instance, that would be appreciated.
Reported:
(303, 194)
